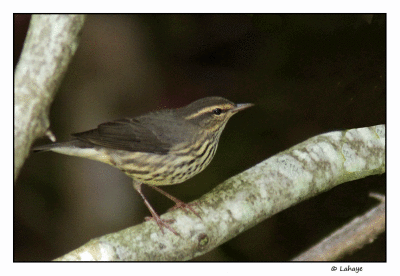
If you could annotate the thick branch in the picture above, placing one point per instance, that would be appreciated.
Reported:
(49, 46)
(303, 171)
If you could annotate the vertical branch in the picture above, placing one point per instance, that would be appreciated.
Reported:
(49, 46)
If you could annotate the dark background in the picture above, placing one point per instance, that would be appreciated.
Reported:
(306, 74)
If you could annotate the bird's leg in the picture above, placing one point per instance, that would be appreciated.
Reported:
(154, 216)
(179, 204)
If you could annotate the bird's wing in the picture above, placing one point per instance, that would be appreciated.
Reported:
(125, 134)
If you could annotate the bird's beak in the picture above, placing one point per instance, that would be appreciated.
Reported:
(240, 107)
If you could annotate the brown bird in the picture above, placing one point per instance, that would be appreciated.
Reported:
(159, 148)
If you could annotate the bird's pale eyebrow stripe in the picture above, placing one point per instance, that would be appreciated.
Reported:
(207, 110)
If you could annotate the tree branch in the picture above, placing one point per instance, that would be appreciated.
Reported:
(360, 231)
(303, 171)
(49, 46)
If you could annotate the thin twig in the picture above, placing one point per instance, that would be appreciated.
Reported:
(353, 236)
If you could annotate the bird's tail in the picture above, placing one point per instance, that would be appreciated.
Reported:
(73, 144)
(46, 147)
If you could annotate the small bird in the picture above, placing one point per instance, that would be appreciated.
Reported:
(159, 148)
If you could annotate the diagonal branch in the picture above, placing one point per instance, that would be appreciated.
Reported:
(301, 172)
(360, 231)
(49, 46)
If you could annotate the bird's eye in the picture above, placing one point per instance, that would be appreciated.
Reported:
(217, 111)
